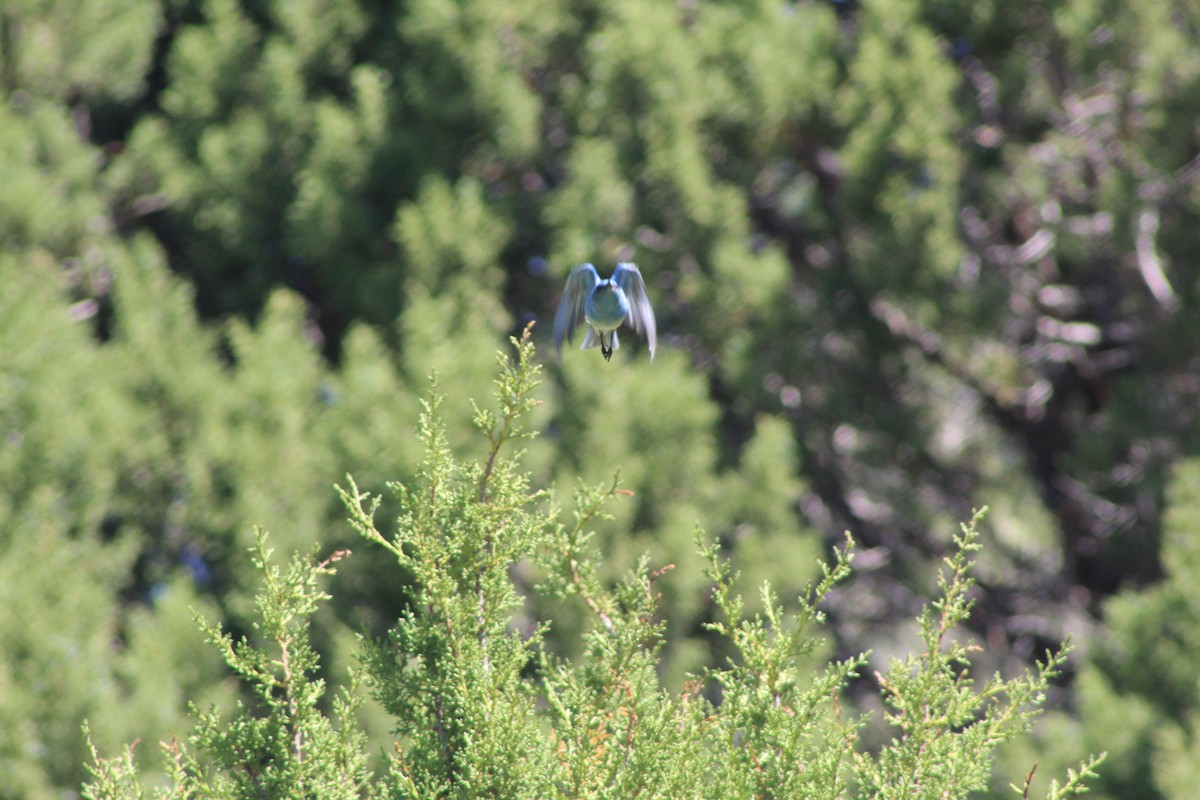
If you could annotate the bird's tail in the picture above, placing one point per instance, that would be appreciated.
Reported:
(592, 339)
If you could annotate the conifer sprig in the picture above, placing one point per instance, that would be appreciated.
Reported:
(481, 707)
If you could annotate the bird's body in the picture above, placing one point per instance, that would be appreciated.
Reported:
(604, 305)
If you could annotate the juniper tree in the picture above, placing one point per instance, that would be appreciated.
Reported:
(481, 706)
(912, 256)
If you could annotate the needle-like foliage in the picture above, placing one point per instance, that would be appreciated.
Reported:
(483, 708)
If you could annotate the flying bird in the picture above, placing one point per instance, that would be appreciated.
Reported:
(604, 305)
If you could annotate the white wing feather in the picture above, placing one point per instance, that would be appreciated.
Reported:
(580, 284)
(641, 313)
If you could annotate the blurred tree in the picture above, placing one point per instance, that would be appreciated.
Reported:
(908, 257)
(1138, 691)
(479, 710)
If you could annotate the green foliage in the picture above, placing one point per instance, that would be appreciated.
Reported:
(902, 164)
(779, 709)
(1139, 691)
(287, 748)
(949, 728)
(449, 671)
(283, 746)
(51, 48)
(907, 257)
(130, 432)
(482, 708)
(62, 626)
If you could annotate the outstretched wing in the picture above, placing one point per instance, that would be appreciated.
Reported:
(580, 284)
(641, 313)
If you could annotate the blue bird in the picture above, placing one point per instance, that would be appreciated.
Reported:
(604, 304)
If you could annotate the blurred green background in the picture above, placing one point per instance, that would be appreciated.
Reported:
(909, 257)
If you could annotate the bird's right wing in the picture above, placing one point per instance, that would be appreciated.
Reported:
(580, 284)
(641, 313)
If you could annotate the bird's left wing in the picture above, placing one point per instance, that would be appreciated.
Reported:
(641, 313)
(580, 284)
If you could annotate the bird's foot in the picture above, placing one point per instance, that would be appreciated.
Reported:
(606, 352)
